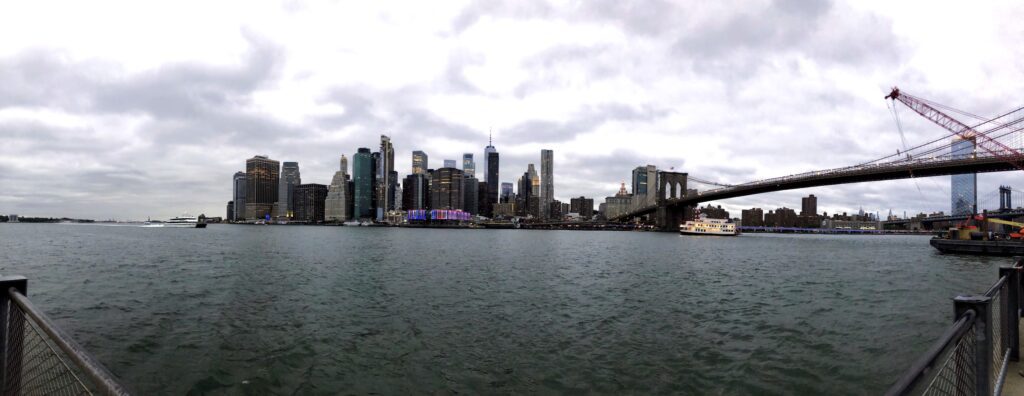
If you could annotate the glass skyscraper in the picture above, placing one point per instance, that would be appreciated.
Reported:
(362, 178)
(261, 180)
(547, 181)
(239, 197)
(289, 179)
(468, 166)
(420, 162)
(963, 188)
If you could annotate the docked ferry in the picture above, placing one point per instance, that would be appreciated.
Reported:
(185, 221)
(705, 226)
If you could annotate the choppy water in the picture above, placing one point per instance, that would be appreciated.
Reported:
(327, 310)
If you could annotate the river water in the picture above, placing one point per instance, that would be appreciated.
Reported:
(325, 310)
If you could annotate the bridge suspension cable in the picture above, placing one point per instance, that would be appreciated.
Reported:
(703, 181)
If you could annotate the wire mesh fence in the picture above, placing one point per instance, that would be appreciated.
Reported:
(956, 375)
(33, 366)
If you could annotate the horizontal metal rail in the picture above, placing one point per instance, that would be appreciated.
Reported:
(101, 378)
(926, 363)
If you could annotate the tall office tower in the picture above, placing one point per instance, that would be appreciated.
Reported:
(449, 163)
(231, 211)
(350, 198)
(335, 205)
(446, 189)
(963, 188)
(415, 192)
(420, 162)
(809, 205)
(468, 166)
(547, 182)
(289, 179)
(262, 175)
(470, 194)
(582, 205)
(506, 192)
(487, 158)
(524, 195)
(395, 191)
(309, 202)
(534, 180)
(645, 183)
(362, 184)
(239, 196)
(385, 171)
(492, 181)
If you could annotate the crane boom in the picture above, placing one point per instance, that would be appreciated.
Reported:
(992, 146)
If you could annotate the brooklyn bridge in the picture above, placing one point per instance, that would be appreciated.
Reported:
(993, 145)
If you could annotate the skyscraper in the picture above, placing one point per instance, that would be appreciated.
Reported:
(468, 166)
(963, 188)
(262, 175)
(809, 205)
(449, 163)
(487, 158)
(385, 178)
(492, 181)
(420, 163)
(470, 194)
(362, 178)
(547, 181)
(336, 205)
(309, 202)
(446, 189)
(239, 197)
(645, 184)
(415, 192)
(289, 179)
(506, 192)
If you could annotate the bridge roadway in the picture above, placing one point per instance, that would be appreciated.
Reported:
(923, 167)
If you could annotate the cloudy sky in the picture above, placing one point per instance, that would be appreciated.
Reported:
(134, 110)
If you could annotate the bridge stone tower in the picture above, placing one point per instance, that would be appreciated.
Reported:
(671, 187)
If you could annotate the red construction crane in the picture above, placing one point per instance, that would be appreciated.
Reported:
(992, 146)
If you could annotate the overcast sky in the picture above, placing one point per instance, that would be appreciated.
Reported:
(134, 110)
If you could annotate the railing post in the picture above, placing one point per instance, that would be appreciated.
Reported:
(11, 333)
(982, 338)
(1011, 312)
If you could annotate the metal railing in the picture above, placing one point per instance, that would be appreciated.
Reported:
(972, 355)
(38, 358)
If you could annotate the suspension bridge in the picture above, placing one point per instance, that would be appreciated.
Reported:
(990, 145)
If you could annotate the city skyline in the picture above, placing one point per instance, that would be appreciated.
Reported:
(138, 121)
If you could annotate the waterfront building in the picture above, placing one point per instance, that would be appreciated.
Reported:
(645, 184)
(309, 202)
(386, 178)
(506, 192)
(350, 198)
(504, 209)
(524, 194)
(781, 217)
(336, 206)
(753, 217)
(289, 179)
(261, 181)
(490, 177)
(12, 218)
(416, 192)
(468, 166)
(547, 182)
(362, 178)
(470, 192)
(554, 210)
(963, 188)
(446, 189)
(239, 197)
(583, 206)
(809, 205)
(449, 163)
(420, 163)
(715, 212)
(231, 210)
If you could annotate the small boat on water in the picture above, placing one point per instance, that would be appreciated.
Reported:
(185, 221)
(707, 226)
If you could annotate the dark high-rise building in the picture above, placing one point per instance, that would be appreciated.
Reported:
(547, 182)
(492, 182)
(809, 205)
(416, 192)
(261, 181)
(350, 198)
(554, 209)
(470, 193)
(420, 162)
(290, 178)
(308, 201)
(239, 197)
(753, 217)
(446, 189)
(385, 171)
(481, 195)
(582, 205)
(524, 194)
(231, 211)
(363, 187)
(506, 192)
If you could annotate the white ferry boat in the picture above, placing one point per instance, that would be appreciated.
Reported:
(705, 226)
(185, 221)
